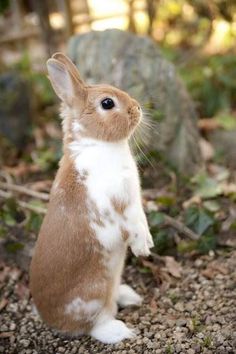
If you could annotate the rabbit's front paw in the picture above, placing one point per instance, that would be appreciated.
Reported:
(150, 240)
(140, 248)
(141, 242)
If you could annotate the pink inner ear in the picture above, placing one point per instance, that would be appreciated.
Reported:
(70, 66)
(61, 79)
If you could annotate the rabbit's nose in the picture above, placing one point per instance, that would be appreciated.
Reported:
(134, 109)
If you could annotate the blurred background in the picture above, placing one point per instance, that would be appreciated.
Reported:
(178, 57)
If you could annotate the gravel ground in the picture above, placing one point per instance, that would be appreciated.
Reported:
(193, 314)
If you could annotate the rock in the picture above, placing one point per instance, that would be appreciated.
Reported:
(25, 342)
(179, 306)
(135, 64)
(14, 108)
(224, 142)
(181, 322)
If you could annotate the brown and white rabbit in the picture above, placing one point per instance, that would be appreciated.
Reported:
(95, 211)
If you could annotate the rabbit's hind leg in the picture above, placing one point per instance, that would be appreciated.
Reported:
(109, 330)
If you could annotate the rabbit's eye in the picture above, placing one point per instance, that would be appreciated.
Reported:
(107, 103)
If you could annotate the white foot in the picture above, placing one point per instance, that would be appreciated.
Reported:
(112, 331)
(127, 296)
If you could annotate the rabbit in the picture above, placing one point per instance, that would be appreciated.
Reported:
(95, 212)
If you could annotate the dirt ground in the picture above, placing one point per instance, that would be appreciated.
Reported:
(193, 314)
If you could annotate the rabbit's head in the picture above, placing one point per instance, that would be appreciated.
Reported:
(97, 111)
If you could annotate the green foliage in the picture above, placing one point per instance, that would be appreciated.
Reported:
(162, 238)
(198, 219)
(34, 223)
(47, 158)
(169, 349)
(207, 341)
(156, 219)
(13, 247)
(10, 214)
(205, 186)
(211, 82)
(40, 84)
(4, 5)
(173, 297)
(226, 120)
(204, 223)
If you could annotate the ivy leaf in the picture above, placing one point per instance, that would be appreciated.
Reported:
(198, 219)
(207, 187)
(156, 218)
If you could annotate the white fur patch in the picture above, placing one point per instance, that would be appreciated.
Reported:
(111, 331)
(77, 127)
(112, 173)
(79, 308)
(127, 296)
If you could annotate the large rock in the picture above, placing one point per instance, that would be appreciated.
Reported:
(135, 64)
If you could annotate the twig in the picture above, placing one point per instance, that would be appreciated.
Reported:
(179, 226)
(157, 257)
(24, 205)
(36, 209)
(24, 190)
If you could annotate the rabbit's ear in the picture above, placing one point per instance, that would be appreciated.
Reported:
(66, 86)
(69, 65)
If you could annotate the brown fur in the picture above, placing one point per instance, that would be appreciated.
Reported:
(67, 255)
(68, 259)
(124, 234)
(119, 205)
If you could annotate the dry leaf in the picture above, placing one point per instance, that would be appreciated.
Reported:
(4, 274)
(153, 305)
(22, 169)
(160, 275)
(6, 334)
(213, 269)
(208, 124)
(173, 267)
(196, 199)
(3, 303)
(41, 186)
(207, 149)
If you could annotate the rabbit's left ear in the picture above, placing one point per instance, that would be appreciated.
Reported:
(69, 65)
(66, 86)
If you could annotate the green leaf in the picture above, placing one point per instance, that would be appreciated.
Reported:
(156, 218)
(227, 121)
(187, 246)
(34, 222)
(211, 205)
(166, 200)
(207, 187)
(198, 219)
(163, 240)
(13, 247)
(207, 243)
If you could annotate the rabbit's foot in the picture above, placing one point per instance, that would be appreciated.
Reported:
(128, 297)
(111, 331)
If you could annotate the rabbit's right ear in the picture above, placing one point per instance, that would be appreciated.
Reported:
(66, 86)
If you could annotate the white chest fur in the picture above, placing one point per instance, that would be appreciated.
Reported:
(110, 173)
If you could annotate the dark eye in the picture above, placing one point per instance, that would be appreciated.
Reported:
(107, 103)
